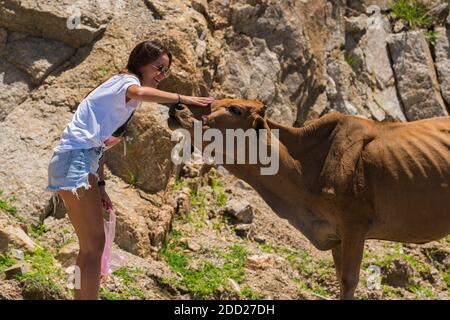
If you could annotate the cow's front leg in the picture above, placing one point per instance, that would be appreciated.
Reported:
(337, 255)
(352, 248)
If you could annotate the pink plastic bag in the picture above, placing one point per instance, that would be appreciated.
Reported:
(110, 260)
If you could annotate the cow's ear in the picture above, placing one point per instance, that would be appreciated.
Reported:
(258, 124)
(262, 111)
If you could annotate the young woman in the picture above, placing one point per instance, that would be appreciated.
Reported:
(75, 171)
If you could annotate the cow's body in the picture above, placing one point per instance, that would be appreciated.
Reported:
(344, 179)
(407, 168)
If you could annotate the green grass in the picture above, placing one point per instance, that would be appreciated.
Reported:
(36, 231)
(132, 179)
(6, 261)
(421, 291)
(130, 288)
(41, 277)
(6, 205)
(204, 280)
(388, 258)
(301, 260)
(217, 186)
(446, 276)
(414, 12)
(197, 215)
(44, 277)
(432, 37)
(391, 292)
(351, 59)
(250, 294)
(179, 184)
(102, 71)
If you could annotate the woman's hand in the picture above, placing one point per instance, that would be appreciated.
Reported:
(106, 201)
(111, 141)
(196, 101)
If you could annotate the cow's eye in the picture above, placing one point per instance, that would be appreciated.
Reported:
(234, 110)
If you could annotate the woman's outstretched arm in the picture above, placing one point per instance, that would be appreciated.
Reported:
(150, 94)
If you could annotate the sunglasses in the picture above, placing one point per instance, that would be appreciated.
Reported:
(162, 70)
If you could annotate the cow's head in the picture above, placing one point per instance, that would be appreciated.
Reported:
(221, 114)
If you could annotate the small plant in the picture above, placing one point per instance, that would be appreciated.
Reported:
(217, 187)
(249, 294)
(178, 184)
(102, 71)
(203, 281)
(132, 179)
(432, 37)
(36, 230)
(414, 12)
(41, 280)
(197, 216)
(7, 206)
(421, 290)
(130, 288)
(351, 59)
(6, 261)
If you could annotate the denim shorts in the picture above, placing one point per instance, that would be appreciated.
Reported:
(69, 170)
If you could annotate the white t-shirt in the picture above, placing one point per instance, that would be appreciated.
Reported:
(101, 113)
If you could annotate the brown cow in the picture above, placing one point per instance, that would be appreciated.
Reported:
(343, 179)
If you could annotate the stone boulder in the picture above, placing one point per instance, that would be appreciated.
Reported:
(143, 220)
(416, 76)
(62, 20)
(442, 53)
(147, 162)
(13, 237)
(45, 57)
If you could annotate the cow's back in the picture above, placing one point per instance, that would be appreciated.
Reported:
(407, 171)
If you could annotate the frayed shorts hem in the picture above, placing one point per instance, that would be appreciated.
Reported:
(83, 184)
(54, 189)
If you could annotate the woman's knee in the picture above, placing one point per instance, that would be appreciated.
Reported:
(93, 246)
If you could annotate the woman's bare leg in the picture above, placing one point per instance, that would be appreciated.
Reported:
(85, 214)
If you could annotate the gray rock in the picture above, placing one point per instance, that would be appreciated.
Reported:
(363, 5)
(400, 26)
(241, 211)
(259, 239)
(10, 290)
(248, 69)
(14, 87)
(12, 236)
(398, 274)
(27, 136)
(45, 57)
(416, 76)
(16, 270)
(378, 66)
(3, 36)
(149, 138)
(442, 53)
(143, 219)
(67, 255)
(62, 20)
(356, 24)
(242, 230)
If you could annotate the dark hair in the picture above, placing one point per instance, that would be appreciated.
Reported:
(144, 53)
